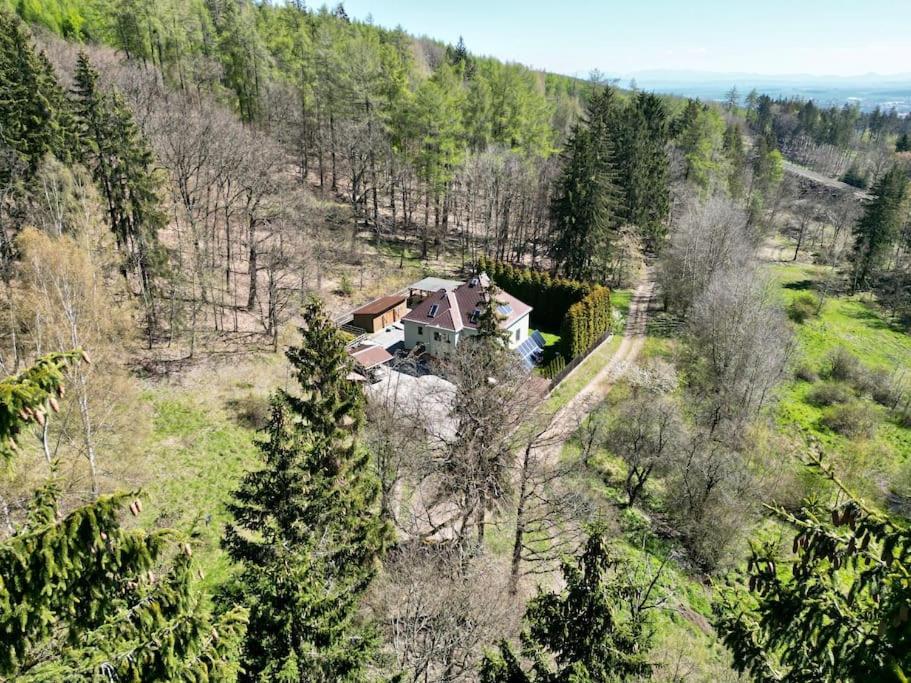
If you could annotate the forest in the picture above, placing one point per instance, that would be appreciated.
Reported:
(194, 196)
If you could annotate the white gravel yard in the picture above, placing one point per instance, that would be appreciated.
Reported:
(427, 398)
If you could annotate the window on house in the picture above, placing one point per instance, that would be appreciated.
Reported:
(433, 311)
(518, 332)
(420, 331)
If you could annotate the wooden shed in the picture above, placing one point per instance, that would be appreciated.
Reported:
(378, 314)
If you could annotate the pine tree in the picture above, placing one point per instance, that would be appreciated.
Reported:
(878, 227)
(307, 529)
(736, 156)
(903, 144)
(585, 205)
(30, 99)
(834, 608)
(595, 630)
(643, 166)
(122, 164)
(86, 599)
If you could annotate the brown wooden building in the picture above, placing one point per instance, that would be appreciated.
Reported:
(378, 314)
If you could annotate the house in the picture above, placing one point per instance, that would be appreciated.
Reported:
(378, 314)
(447, 316)
(421, 289)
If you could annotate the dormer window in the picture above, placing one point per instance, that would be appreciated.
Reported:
(433, 311)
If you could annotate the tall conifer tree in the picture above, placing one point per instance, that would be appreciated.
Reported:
(307, 528)
(122, 164)
(585, 205)
(878, 228)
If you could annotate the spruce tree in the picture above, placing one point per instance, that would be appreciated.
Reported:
(878, 227)
(307, 529)
(122, 164)
(644, 168)
(595, 630)
(585, 204)
(31, 111)
(85, 598)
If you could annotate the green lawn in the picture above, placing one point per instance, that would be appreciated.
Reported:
(856, 325)
(195, 458)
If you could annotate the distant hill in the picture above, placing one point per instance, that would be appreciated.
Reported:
(866, 90)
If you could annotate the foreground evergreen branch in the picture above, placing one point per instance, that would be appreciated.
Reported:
(83, 598)
(835, 608)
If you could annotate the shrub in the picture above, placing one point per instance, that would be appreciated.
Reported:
(856, 177)
(843, 366)
(345, 288)
(805, 373)
(884, 387)
(586, 322)
(850, 419)
(829, 394)
(803, 307)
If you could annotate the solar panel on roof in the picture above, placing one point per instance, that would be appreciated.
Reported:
(539, 339)
(504, 309)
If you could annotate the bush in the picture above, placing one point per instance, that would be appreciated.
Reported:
(555, 367)
(843, 366)
(586, 322)
(884, 387)
(803, 307)
(829, 394)
(851, 419)
(855, 177)
(805, 373)
(550, 298)
(345, 288)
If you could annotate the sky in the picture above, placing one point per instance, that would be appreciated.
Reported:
(619, 37)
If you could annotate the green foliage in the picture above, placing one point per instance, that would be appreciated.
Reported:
(32, 110)
(855, 177)
(122, 164)
(26, 397)
(556, 366)
(306, 528)
(699, 135)
(83, 598)
(586, 201)
(878, 229)
(586, 322)
(549, 297)
(835, 608)
(803, 307)
(596, 629)
(903, 144)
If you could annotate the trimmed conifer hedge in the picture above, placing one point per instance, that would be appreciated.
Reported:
(581, 311)
(586, 322)
(549, 297)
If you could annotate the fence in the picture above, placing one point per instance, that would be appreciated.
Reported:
(574, 363)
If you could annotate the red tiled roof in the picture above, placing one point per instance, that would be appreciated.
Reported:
(455, 308)
(370, 356)
(381, 305)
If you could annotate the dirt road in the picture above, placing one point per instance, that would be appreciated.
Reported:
(568, 418)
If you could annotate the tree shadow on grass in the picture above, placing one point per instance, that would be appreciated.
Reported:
(801, 285)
